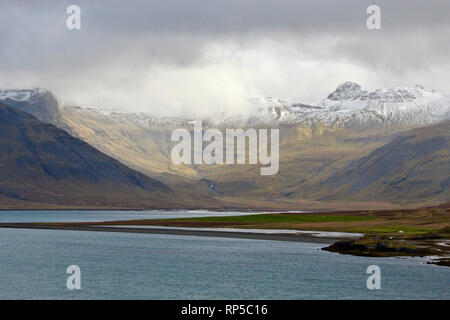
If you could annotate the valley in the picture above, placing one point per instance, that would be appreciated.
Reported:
(355, 149)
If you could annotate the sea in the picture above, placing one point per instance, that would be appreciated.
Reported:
(34, 265)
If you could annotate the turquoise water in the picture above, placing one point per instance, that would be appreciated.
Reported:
(144, 266)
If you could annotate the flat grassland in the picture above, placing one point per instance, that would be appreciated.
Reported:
(412, 221)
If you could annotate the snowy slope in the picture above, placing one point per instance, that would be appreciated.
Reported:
(20, 95)
(348, 105)
(401, 106)
(38, 102)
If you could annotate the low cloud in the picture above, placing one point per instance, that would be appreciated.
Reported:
(200, 58)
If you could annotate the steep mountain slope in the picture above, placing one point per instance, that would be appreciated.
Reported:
(143, 142)
(137, 142)
(317, 146)
(413, 167)
(41, 163)
(38, 102)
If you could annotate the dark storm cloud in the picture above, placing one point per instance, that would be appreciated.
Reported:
(242, 45)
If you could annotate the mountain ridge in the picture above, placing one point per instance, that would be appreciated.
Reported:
(347, 105)
(315, 148)
(414, 165)
(41, 163)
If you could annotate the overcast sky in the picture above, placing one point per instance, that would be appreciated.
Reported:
(200, 57)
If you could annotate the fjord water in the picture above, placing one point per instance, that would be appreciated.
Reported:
(106, 215)
(145, 266)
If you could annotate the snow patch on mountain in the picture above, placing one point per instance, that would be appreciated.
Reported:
(407, 106)
(21, 95)
(348, 105)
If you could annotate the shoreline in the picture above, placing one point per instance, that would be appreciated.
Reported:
(264, 207)
(179, 232)
(180, 210)
(383, 233)
(331, 244)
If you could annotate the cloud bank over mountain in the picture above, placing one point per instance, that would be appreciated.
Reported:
(207, 57)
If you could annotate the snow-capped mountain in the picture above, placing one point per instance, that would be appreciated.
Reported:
(21, 95)
(38, 102)
(348, 105)
(403, 106)
(396, 165)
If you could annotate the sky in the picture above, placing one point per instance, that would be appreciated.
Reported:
(200, 57)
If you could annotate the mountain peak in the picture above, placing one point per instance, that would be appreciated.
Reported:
(21, 94)
(346, 90)
(38, 102)
(352, 91)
